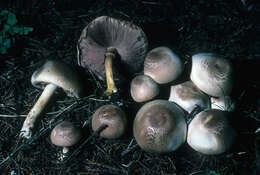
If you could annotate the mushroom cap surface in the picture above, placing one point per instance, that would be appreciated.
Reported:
(212, 74)
(65, 134)
(159, 126)
(187, 96)
(225, 103)
(59, 74)
(162, 65)
(143, 88)
(104, 32)
(112, 116)
(210, 132)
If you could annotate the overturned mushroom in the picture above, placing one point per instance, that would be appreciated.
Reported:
(105, 39)
(159, 126)
(212, 74)
(50, 77)
(210, 132)
(187, 96)
(143, 88)
(113, 117)
(65, 135)
(162, 65)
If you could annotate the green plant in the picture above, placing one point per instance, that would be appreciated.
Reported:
(9, 30)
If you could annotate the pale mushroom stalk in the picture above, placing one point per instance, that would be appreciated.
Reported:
(109, 59)
(37, 110)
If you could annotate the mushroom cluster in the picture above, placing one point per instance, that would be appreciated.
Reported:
(160, 125)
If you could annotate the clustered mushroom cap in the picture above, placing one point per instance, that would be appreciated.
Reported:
(187, 96)
(210, 132)
(162, 65)
(65, 134)
(60, 74)
(143, 88)
(104, 32)
(159, 126)
(212, 74)
(112, 116)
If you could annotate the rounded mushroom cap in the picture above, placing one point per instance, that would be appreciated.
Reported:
(59, 74)
(65, 134)
(104, 32)
(187, 96)
(225, 103)
(212, 74)
(162, 65)
(113, 117)
(159, 126)
(210, 133)
(143, 88)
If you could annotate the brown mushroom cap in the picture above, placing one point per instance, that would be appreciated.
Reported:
(143, 88)
(60, 74)
(187, 96)
(104, 32)
(162, 65)
(113, 117)
(210, 132)
(65, 134)
(212, 74)
(159, 126)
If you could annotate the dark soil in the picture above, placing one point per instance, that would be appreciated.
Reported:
(228, 28)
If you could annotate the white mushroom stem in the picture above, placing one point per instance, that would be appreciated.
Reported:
(109, 57)
(65, 150)
(36, 111)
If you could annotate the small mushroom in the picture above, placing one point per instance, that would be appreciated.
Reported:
(50, 77)
(162, 65)
(104, 40)
(143, 88)
(187, 96)
(212, 74)
(210, 132)
(225, 103)
(160, 127)
(65, 135)
(112, 116)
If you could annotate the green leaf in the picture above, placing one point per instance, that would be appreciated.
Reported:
(26, 30)
(7, 43)
(4, 12)
(6, 27)
(11, 20)
(2, 50)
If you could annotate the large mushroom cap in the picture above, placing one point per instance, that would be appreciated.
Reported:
(143, 88)
(60, 74)
(104, 32)
(160, 126)
(212, 74)
(187, 96)
(65, 134)
(112, 116)
(162, 65)
(210, 132)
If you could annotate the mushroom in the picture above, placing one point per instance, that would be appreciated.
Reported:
(160, 127)
(162, 65)
(225, 103)
(187, 96)
(212, 74)
(210, 132)
(65, 135)
(50, 77)
(143, 88)
(112, 116)
(105, 39)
